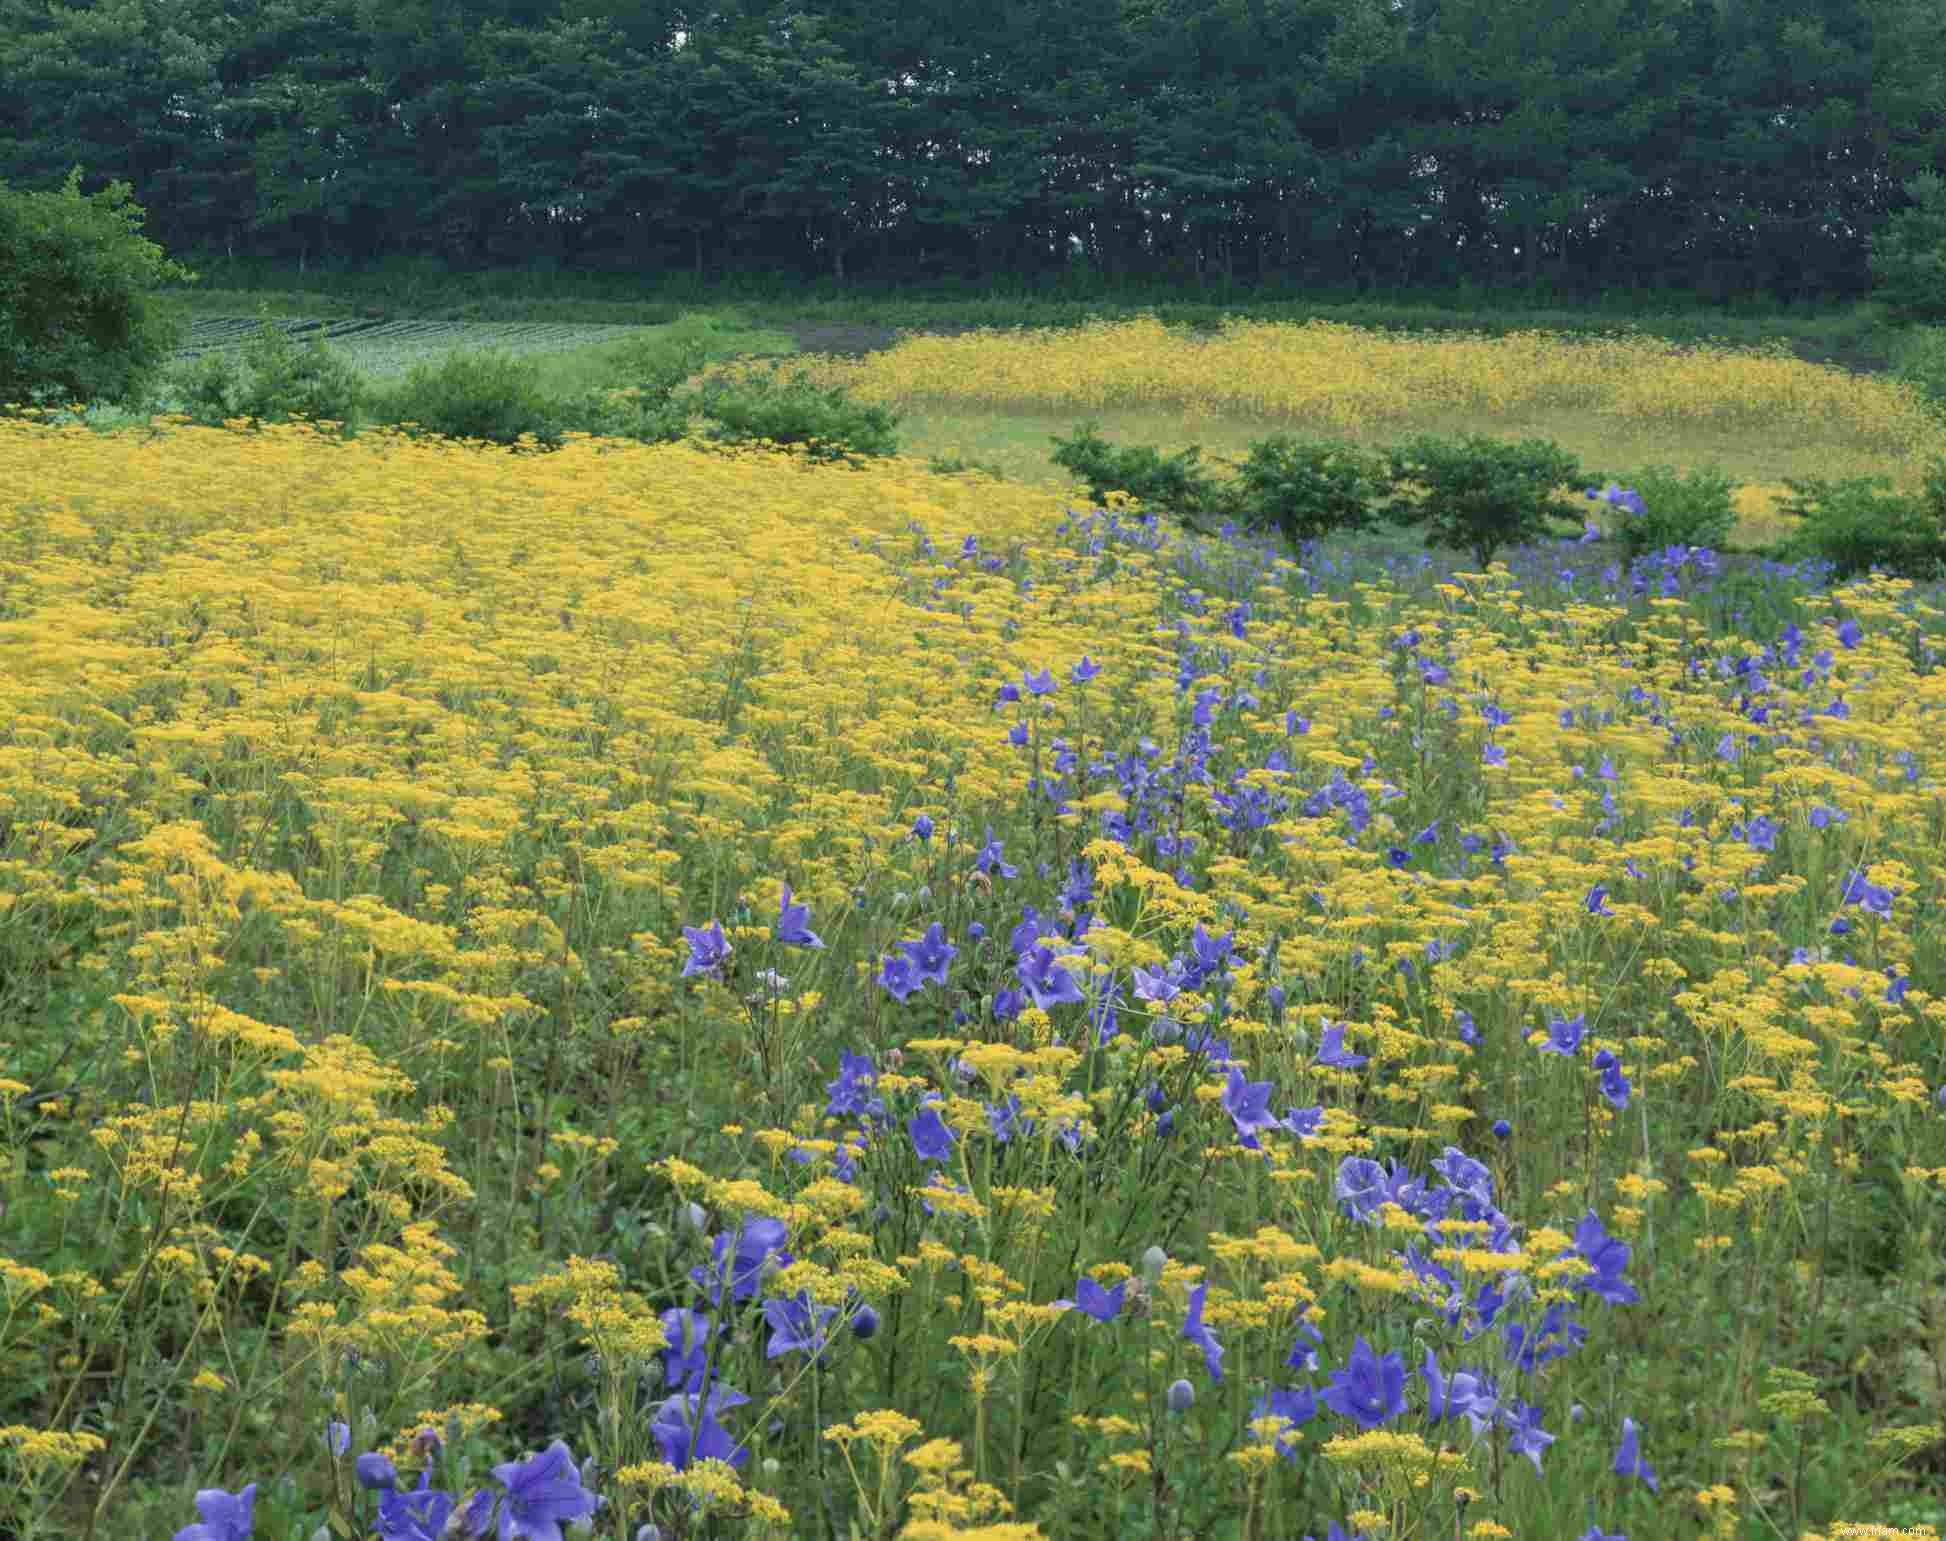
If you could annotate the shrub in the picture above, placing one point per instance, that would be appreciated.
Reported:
(1908, 257)
(1308, 490)
(1919, 359)
(489, 395)
(1675, 510)
(77, 321)
(1861, 523)
(286, 381)
(1482, 494)
(952, 465)
(1172, 485)
(830, 426)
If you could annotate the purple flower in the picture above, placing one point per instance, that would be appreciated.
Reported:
(930, 955)
(797, 1326)
(1849, 633)
(1046, 981)
(1090, 1298)
(1614, 1085)
(1361, 1186)
(225, 1516)
(1369, 1390)
(687, 1428)
(687, 1356)
(337, 1438)
(898, 977)
(1628, 1459)
(1597, 901)
(1608, 1257)
(1874, 899)
(1299, 1406)
(1493, 754)
(1084, 671)
(1304, 1122)
(1446, 1400)
(375, 1473)
(793, 925)
(1502, 1129)
(1528, 1437)
(1596, 1533)
(923, 826)
(989, 860)
(1332, 1050)
(1181, 1396)
(930, 1136)
(1194, 1330)
(1039, 684)
(1248, 1104)
(425, 1513)
(864, 1323)
(741, 1263)
(1564, 1037)
(708, 950)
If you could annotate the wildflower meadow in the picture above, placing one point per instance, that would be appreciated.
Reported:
(661, 991)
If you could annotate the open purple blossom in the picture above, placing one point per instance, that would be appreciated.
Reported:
(899, 978)
(1370, 1390)
(1332, 1050)
(1084, 671)
(1299, 1406)
(1158, 986)
(797, 1325)
(225, 1516)
(1047, 981)
(1446, 1399)
(741, 1263)
(1526, 1436)
(1628, 1459)
(686, 1358)
(542, 1492)
(1304, 1122)
(1597, 901)
(708, 950)
(1614, 1085)
(374, 1473)
(989, 860)
(1248, 1104)
(1564, 1036)
(1195, 1332)
(426, 1514)
(1104, 1305)
(1039, 684)
(930, 1136)
(688, 1428)
(1361, 1186)
(930, 955)
(1867, 895)
(1608, 1256)
(793, 924)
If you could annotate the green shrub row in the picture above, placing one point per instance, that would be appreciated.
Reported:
(1481, 495)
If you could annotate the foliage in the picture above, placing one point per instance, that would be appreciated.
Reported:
(78, 321)
(1859, 523)
(1908, 260)
(1919, 359)
(1169, 484)
(489, 395)
(830, 427)
(1209, 147)
(1309, 490)
(1481, 494)
(282, 382)
(1677, 510)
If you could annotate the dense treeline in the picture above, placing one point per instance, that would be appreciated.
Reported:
(1727, 147)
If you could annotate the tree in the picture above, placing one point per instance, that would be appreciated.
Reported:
(77, 320)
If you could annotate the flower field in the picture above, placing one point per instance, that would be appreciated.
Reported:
(673, 994)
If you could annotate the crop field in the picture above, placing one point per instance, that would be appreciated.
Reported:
(387, 349)
(664, 992)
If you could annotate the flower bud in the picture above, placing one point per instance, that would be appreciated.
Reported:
(375, 1473)
(692, 1216)
(1182, 1396)
(1153, 1262)
(865, 1324)
(925, 893)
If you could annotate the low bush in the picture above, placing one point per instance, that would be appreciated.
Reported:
(1482, 494)
(1861, 523)
(1305, 491)
(1171, 485)
(1674, 510)
(829, 426)
(277, 381)
(490, 395)
(952, 465)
